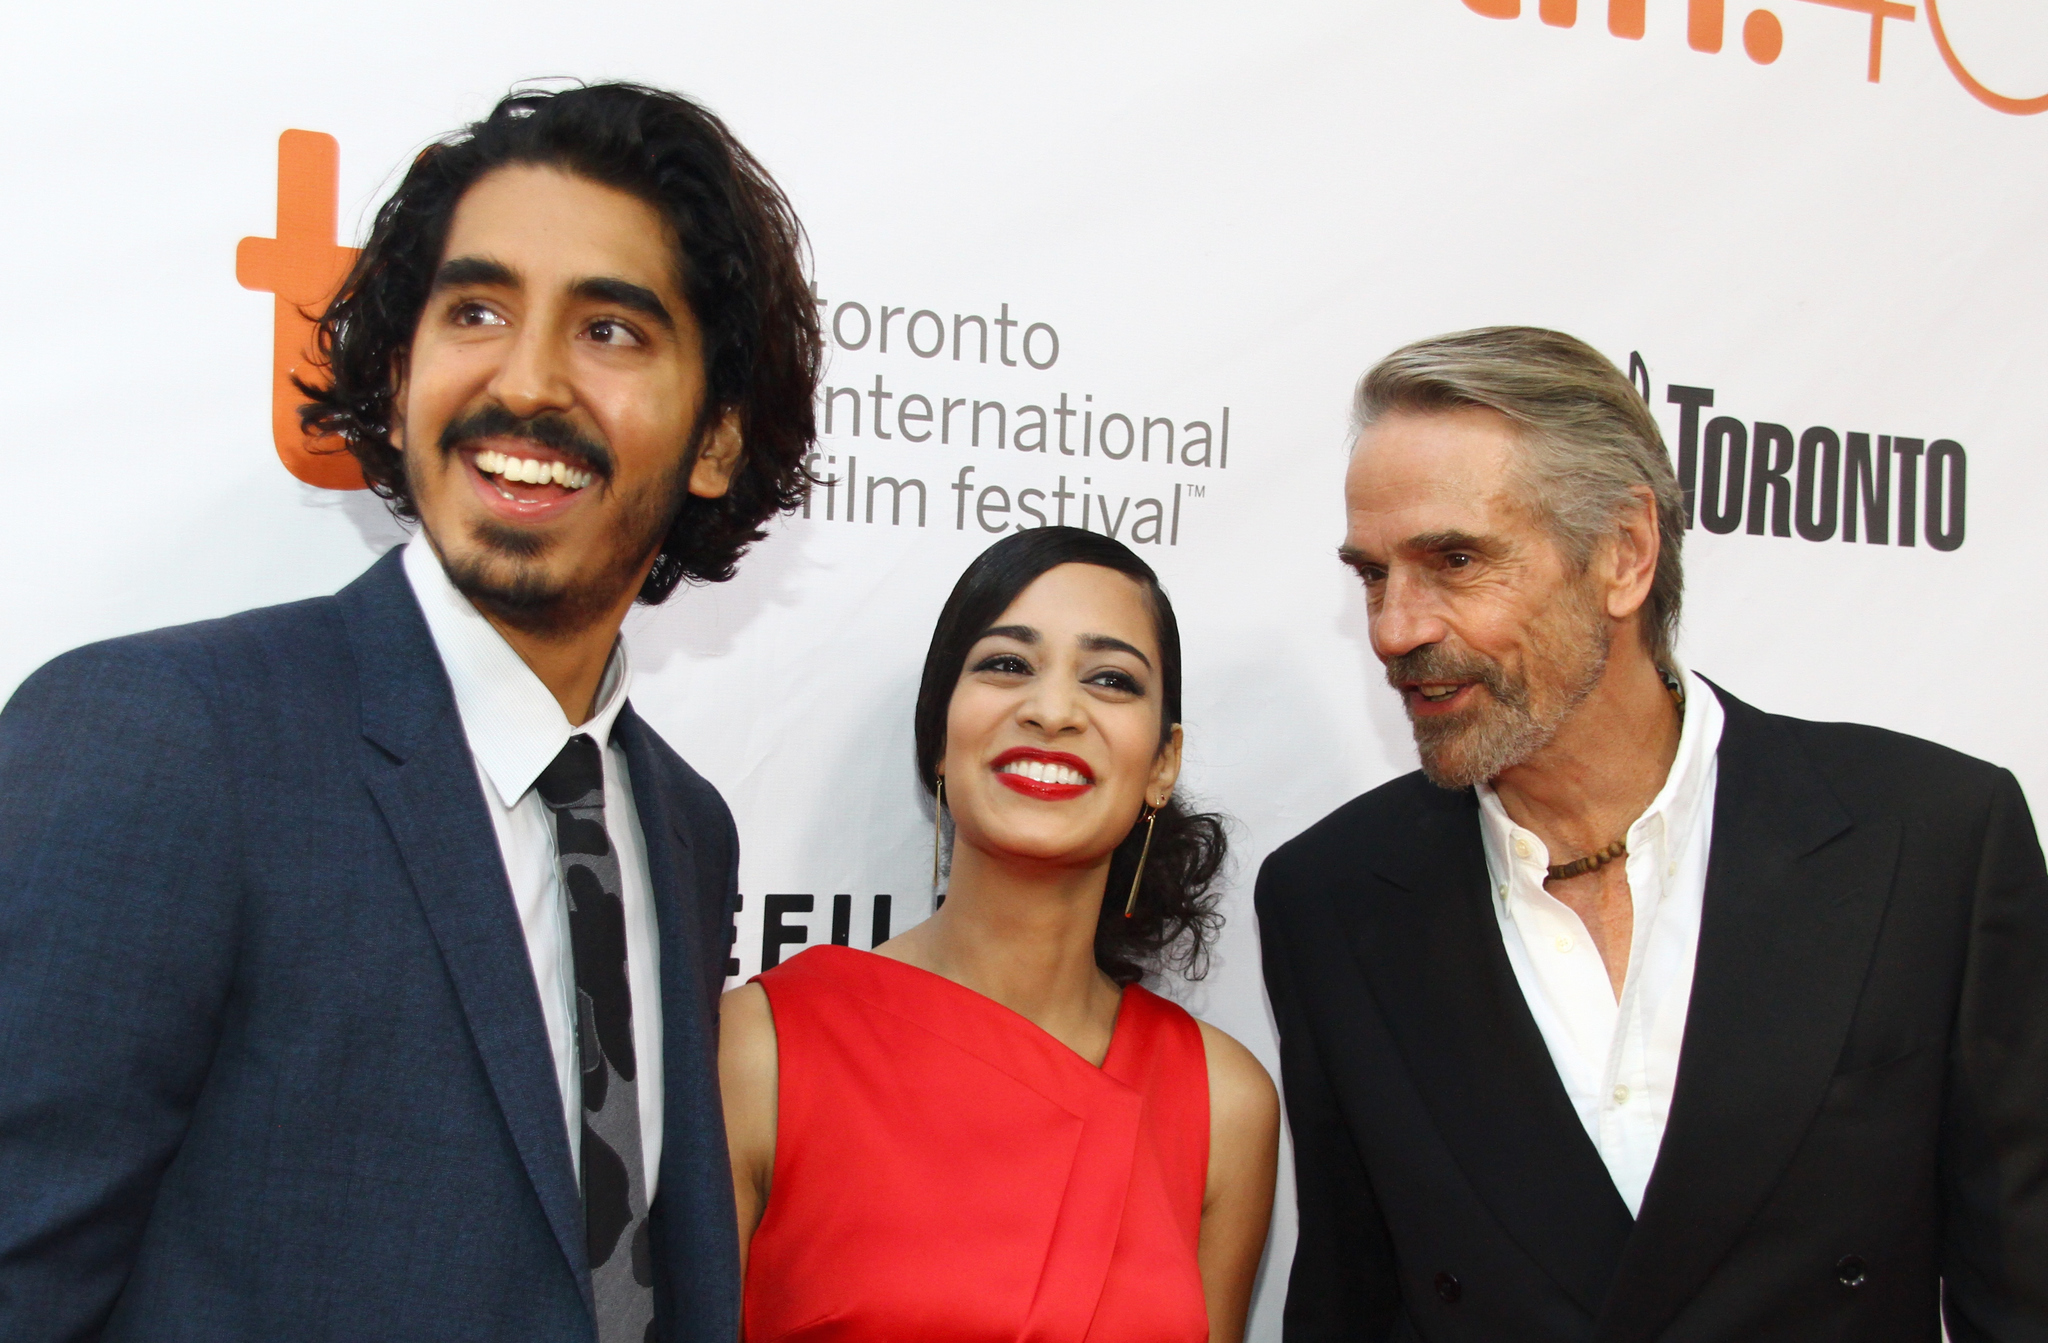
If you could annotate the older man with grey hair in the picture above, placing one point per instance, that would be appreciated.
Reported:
(1637, 1013)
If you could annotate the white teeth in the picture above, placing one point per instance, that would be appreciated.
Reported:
(530, 471)
(1045, 771)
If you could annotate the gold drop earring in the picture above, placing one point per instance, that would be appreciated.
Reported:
(938, 829)
(1144, 852)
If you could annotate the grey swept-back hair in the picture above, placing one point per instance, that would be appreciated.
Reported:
(1589, 441)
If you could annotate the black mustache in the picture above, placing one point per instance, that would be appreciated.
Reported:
(547, 430)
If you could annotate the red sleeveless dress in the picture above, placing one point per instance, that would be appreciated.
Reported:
(947, 1172)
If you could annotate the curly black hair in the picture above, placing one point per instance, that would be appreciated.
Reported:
(740, 256)
(1175, 922)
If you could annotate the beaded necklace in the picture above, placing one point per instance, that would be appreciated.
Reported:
(1593, 862)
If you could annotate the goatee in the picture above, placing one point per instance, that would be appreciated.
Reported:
(503, 571)
(1521, 711)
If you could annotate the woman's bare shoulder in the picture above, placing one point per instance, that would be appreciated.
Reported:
(746, 1005)
(746, 1031)
(1241, 1092)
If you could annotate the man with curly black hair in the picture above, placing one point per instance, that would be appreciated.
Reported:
(362, 954)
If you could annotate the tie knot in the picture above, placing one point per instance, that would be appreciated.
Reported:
(574, 774)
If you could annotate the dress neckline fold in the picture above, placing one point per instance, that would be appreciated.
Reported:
(891, 982)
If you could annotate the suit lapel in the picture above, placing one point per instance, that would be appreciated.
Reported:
(1796, 890)
(665, 824)
(1436, 965)
(692, 1217)
(688, 996)
(426, 786)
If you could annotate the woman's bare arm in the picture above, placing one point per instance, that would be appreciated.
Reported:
(747, 1079)
(1244, 1149)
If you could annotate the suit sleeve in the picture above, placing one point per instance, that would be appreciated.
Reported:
(116, 951)
(723, 910)
(1343, 1287)
(1995, 1120)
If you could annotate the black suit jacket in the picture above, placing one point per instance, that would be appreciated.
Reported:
(272, 1060)
(1861, 1114)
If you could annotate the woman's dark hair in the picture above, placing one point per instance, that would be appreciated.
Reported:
(1176, 920)
(739, 257)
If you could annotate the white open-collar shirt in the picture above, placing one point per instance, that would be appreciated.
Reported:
(515, 729)
(1617, 1058)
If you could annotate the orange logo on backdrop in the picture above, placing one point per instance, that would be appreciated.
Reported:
(304, 267)
(1763, 37)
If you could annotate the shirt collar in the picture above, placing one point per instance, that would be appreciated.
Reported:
(1678, 804)
(1688, 790)
(514, 725)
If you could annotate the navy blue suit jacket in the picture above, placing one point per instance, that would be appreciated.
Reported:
(272, 1061)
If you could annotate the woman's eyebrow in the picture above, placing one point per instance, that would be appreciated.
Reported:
(1103, 643)
(1023, 634)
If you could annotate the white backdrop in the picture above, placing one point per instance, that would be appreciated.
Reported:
(1211, 207)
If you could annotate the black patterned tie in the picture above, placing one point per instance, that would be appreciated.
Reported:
(614, 1177)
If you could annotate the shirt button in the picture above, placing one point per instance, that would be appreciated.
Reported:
(1621, 1095)
(1503, 888)
(1521, 847)
(1449, 1289)
(1563, 944)
(1672, 870)
(1851, 1271)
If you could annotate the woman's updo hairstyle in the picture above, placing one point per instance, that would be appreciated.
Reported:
(1176, 920)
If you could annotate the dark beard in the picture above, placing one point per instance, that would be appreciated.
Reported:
(530, 603)
(1568, 654)
(526, 600)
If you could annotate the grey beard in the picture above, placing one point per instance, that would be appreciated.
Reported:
(1491, 738)
(1458, 754)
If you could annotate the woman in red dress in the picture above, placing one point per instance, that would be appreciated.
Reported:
(987, 1129)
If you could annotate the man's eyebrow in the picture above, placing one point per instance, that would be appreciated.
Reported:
(1436, 543)
(1104, 643)
(1353, 556)
(1023, 634)
(625, 294)
(459, 271)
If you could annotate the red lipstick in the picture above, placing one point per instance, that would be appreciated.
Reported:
(1030, 787)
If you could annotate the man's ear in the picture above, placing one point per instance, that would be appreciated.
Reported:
(1632, 556)
(719, 458)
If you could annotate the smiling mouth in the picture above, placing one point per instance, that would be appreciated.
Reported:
(1433, 698)
(1045, 771)
(507, 469)
(1047, 775)
(524, 483)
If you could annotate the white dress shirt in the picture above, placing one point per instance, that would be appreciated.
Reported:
(515, 730)
(1618, 1059)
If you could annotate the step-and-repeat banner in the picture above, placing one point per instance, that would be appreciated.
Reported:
(1118, 266)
